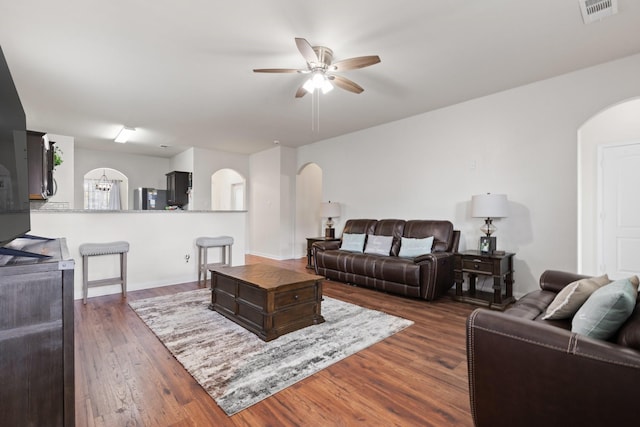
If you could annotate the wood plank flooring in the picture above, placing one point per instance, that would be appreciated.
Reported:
(417, 377)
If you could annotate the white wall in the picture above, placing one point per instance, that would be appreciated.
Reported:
(618, 124)
(521, 142)
(272, 203)
(142, 171)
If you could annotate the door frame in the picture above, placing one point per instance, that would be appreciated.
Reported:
(600, 235)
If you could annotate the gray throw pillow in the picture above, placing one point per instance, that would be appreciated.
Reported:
(352, 242)
(378, 245)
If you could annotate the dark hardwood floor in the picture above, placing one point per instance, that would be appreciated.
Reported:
(417, 377)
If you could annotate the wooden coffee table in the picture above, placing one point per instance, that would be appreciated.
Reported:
(268, 301)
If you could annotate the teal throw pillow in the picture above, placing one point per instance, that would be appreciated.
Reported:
(410, 248)
(606, 310)
(352, 242)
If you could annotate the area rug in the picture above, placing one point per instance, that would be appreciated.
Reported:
(236, 367)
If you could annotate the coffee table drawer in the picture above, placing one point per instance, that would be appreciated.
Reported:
(251, 294)
(297, 296)
(302, 313)
(224, 284)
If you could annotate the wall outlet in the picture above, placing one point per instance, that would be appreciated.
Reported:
(187, 257)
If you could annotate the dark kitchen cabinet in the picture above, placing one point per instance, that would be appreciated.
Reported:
(40, 164)
(36, 336)
(178, 184)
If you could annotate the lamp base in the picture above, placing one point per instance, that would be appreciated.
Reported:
(330, 233)
(487, 244)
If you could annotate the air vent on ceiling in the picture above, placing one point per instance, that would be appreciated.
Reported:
(595, 10)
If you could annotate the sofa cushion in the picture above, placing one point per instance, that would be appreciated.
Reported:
(352, 242)
(572, 296)
(378, 245)
(391, 227)
(442, 231)
(359, 226)
(606, 310)
(394, 269)
(411, 248)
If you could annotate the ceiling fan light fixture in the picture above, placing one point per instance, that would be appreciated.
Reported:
(308, 86)
(318, 81)
(326, 86)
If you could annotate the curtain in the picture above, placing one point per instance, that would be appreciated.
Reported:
(95, 199)
(114, 196)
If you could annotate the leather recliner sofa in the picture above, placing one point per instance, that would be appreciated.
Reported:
(526, 371)
(426, 276)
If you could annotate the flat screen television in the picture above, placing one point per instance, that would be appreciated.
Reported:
(14, 178)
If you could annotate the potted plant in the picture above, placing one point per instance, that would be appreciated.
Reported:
(57, 156)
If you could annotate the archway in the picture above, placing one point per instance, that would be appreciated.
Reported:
(614, 125)
(308, 200)
(228, 191)
(105, 189)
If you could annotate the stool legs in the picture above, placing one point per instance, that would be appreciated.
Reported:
(122, 280)
(85, 278)
(123, 273)
(203, 264)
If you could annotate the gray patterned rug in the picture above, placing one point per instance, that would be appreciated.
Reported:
(236, 367)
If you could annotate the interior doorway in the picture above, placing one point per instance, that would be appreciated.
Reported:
(615, 126)
(228, 191)
(619, 204)
(308, 200)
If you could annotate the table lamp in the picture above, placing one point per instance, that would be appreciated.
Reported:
(489, 206)
(330, 210)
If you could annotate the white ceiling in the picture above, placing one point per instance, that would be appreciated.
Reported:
(181, 71)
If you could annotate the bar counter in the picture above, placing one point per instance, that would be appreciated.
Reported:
(162, 243)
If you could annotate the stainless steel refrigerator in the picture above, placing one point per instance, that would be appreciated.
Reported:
(149, 199)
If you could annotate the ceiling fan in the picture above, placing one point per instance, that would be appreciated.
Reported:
(321, 69)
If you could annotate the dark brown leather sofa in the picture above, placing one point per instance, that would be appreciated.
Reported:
(426, 276)
(525, 371)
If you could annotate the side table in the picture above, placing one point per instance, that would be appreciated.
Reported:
(310, 242)
(476, 263)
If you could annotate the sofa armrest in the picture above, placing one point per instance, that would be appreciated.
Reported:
(436, 270)
(325, 246)
(553, 280)
(528, 373)
(432, 257)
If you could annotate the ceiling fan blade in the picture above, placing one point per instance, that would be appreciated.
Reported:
(346, 84)
(277, 70)
(354, 63)
(301, 92)
(306, 50)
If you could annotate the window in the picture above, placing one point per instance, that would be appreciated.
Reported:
(103, 189)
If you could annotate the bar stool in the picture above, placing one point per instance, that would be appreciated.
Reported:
(96, 249)
(204, 243)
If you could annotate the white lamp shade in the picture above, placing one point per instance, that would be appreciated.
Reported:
(330, 210)
(489, 206)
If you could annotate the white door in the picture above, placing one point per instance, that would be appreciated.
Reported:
(619, 236)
